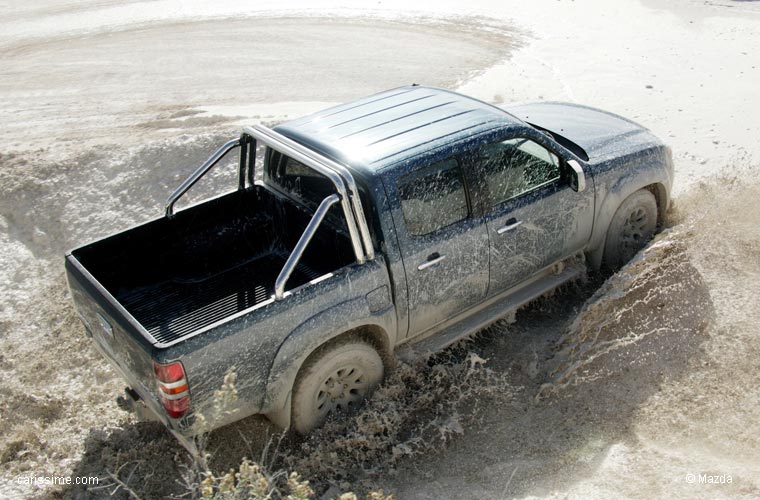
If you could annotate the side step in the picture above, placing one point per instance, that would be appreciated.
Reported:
(491, 311)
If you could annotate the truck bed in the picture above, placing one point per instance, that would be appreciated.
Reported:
(175, 308)
(178, 275)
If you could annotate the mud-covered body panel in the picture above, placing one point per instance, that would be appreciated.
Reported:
(262, 346)
(621, 156)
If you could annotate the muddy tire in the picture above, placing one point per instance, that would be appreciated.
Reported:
(339, 378)
(632, 226)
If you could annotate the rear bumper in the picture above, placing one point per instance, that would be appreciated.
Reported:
(132, 402)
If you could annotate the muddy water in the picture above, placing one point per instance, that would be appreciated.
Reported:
(645, 387)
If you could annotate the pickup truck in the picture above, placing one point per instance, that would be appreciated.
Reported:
(402, 221)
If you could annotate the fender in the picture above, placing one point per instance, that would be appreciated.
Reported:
(655, 173)
(310, 335)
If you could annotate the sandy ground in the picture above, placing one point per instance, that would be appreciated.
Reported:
(107, 105)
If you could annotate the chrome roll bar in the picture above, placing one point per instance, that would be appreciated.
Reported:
(190, 181)
(303, 241)
(345, 185)
(369, 249)
(322, 165)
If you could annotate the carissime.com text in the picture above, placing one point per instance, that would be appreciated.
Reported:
(57, 480)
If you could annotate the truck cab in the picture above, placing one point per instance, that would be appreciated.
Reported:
(475, 200)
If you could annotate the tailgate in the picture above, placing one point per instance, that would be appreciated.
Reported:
(117, 335)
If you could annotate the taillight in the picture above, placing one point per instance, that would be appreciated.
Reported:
(172, 388)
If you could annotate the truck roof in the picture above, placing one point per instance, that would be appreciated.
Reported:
(376, 131)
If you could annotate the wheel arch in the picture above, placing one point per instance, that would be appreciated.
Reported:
(306, 343)
(615, 197)
(660, 193)
(372, 334)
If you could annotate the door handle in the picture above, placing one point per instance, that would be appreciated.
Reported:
(509, 226)
(432, 260)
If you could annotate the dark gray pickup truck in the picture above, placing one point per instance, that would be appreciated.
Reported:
(408, 218)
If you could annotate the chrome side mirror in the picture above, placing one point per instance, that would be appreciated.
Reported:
(578, 180)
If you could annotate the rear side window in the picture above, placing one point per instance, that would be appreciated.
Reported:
(434, 198)
(299, 180)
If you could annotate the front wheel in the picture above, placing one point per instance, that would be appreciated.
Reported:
(339, 378)
(631, 228)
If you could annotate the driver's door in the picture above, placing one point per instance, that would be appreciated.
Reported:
(534, 216)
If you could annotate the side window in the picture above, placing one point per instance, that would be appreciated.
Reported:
(516, 166)
(434, 198)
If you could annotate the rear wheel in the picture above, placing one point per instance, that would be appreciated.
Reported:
(631, 228)
(339, 378)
